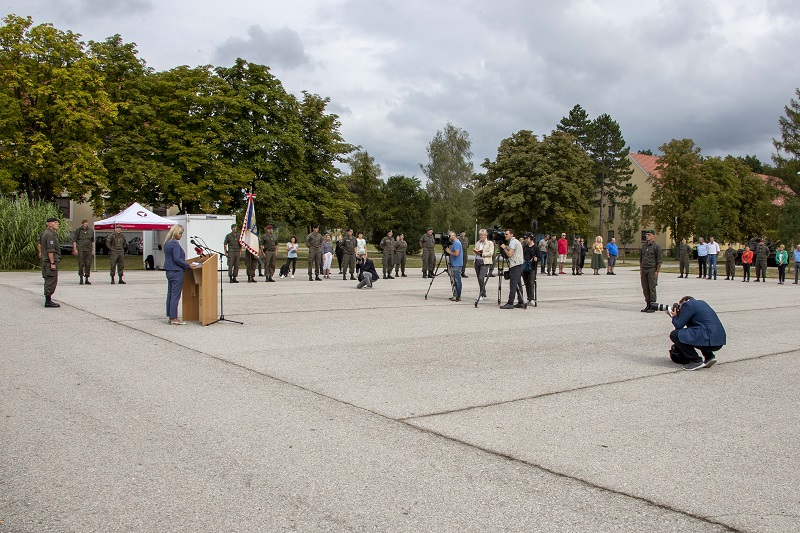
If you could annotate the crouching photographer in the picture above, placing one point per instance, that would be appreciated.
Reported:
(697, 326)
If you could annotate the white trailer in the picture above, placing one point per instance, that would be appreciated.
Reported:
(208, 229)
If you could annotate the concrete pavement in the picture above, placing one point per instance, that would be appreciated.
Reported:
(334, 409)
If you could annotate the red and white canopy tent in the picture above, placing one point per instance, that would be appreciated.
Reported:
(134, 218)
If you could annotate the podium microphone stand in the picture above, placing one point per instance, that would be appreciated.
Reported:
(221, 290)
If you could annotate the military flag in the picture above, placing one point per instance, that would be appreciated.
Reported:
(249, 236)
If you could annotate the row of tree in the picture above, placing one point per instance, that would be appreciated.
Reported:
(94, 122)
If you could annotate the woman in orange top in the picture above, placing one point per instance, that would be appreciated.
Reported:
(747, 260)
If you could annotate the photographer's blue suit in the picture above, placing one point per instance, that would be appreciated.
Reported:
(697, 326)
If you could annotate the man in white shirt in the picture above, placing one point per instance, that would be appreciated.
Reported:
(702, 256)
(515, 259)
(713, 252)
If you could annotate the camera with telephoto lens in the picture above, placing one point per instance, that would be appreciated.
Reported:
(663, 307)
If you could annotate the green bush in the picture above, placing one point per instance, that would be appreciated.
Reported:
(21, 223)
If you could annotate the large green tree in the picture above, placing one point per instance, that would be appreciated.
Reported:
(449, 172)
(407, 207)
(677, 183)
(324, 147)
(787, 155)
(53, 109)
(612, 170)
(365, 184)
(548, 180)
(262, 138)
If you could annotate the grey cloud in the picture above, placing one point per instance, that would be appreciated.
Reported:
(275, 48)
(78, 10)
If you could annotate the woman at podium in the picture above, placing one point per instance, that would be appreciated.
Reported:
(175, 264)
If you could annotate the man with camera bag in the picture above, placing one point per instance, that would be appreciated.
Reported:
(696, 326)
(515, 259)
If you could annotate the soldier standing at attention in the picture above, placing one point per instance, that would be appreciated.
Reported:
(314, 243)
(83, 247)
(233, 251)
(116, 249)
(387, 247)
(269, 249)
(428, 241)
(762, 253)
(684, 252)
(348, 247)
(576, 256)
(730, 262)
(464, 240)
(400, 247)
(649, 265)
(552, 256)
(50, 252)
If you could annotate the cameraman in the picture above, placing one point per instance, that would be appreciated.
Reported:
(484, 255)
(696, 326)
(514, 254)
(456, 254)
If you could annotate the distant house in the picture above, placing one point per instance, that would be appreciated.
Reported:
(643, 167)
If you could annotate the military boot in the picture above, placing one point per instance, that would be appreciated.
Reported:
(121, 281)
(48, 302)
(87, 281)
(81, 282)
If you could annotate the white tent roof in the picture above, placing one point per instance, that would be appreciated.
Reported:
(135, 218)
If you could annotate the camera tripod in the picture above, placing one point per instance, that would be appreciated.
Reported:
(502, 264)
(437, 272)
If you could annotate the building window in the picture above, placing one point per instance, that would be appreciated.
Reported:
(644, 235)
(611, 212)
(66, 207)
(610, 235)
(645, 214)
(160, 211)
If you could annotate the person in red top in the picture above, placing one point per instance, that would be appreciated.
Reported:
(747, 260)
(562, 252)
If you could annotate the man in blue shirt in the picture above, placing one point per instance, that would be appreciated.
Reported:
(612, 252)
(456, 253)
(796, 257)
(702, 256)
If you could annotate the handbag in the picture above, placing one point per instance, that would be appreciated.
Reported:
(527, 266)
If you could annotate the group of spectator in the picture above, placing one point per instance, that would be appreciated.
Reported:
(553, 253)
(708, 252)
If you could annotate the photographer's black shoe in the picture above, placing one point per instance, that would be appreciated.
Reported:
(506, 306)
(521, 305)
(646, 309)
(710, 362)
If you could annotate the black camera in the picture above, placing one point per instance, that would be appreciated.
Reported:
(496, 234)
(444, 240)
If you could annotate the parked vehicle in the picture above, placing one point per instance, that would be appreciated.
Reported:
(66, 247)
(135, 246)
(100, 246)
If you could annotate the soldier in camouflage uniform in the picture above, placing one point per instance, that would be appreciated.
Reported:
(233, 250)
(552, 256)
(576, 256)
(269, 251)
(400, 247)
(387, 247)
(50, 253)
(730, 262)
(314, 243)
(684, 253)
(348, 247)
(762, 253)
(428, 241)
(116, 249)
(83, 247)
(650, 260)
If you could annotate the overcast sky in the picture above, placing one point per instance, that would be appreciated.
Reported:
(717, 71)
